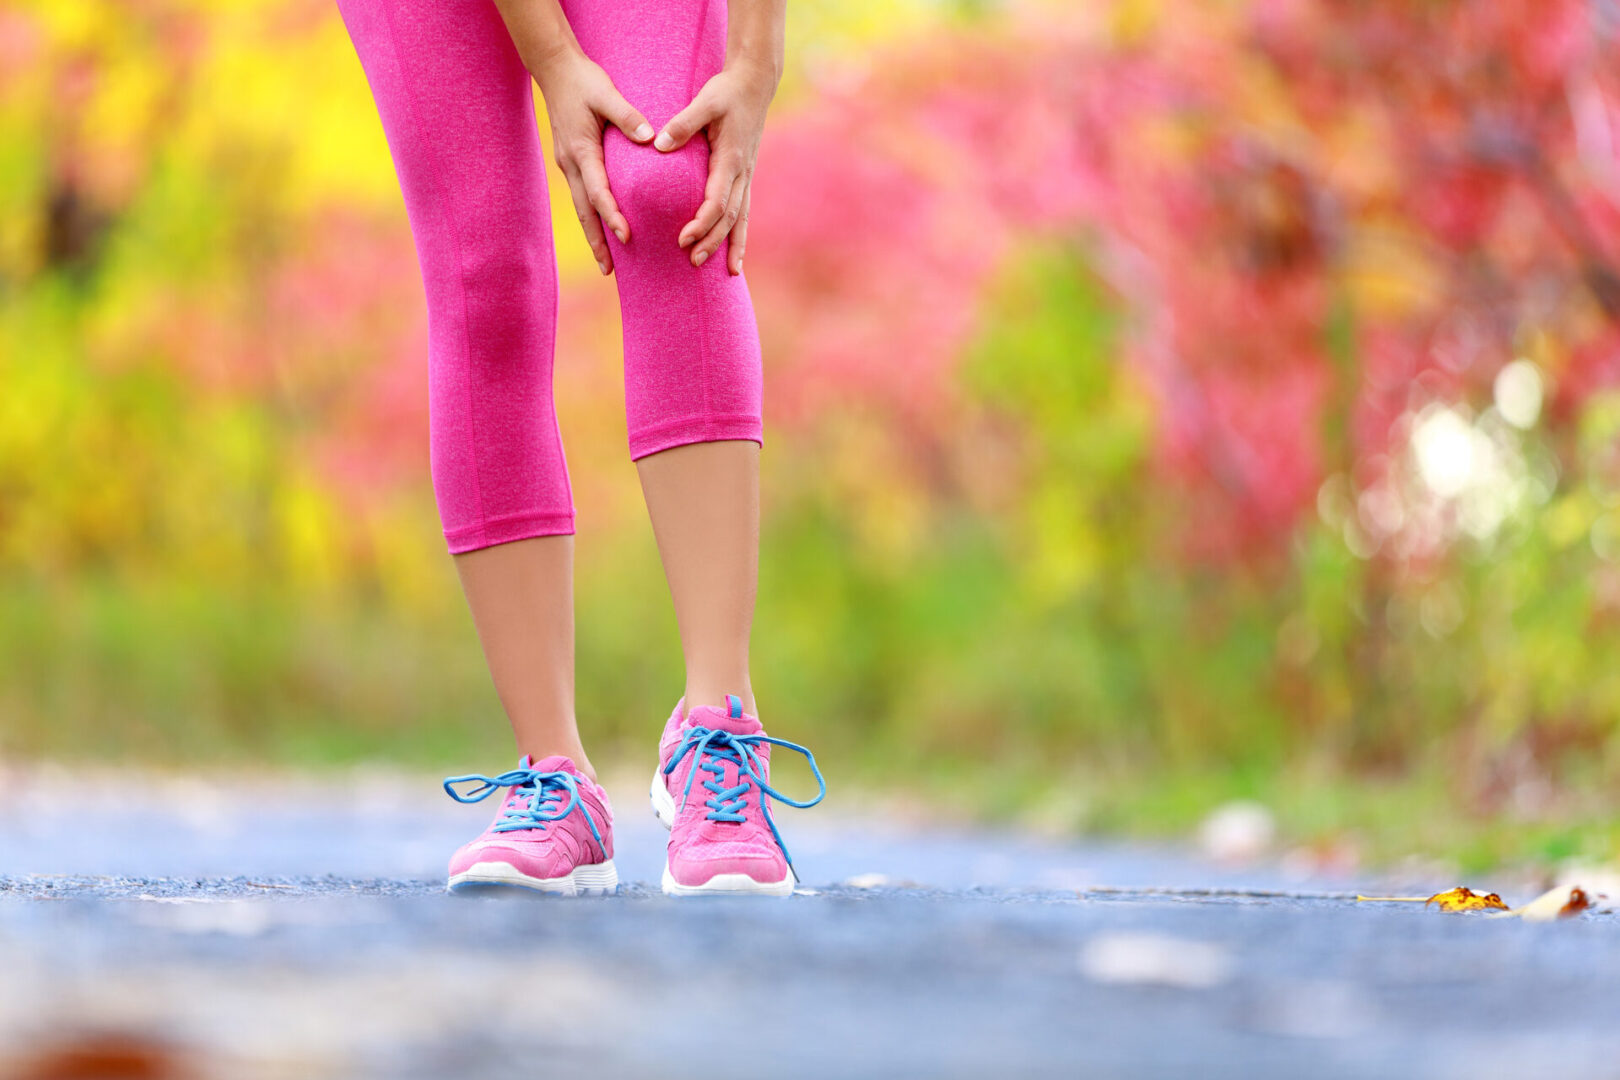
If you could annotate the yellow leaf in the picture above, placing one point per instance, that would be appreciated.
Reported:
(1461, 898)
(1465, 899)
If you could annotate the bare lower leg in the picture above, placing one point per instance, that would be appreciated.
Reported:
(704, 503)
(522, 600)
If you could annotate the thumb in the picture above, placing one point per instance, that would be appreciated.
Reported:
(624, 116)
(685, 124)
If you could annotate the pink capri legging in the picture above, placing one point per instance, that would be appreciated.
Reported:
(456, 106)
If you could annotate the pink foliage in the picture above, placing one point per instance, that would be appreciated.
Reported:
(321, 339)
(885, 205)
(882, 209)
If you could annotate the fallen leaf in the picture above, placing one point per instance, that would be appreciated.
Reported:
(1461, 898)
(105, 1056)
(1557, 903)
(1465, 899)
(1600, 882)
(1578, 902)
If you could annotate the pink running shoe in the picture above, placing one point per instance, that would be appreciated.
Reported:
(722, 838)
(553, 832)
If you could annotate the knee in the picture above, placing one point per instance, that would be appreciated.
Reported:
(657, 192)
(491, 301)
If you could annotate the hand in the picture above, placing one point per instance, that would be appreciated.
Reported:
(731, 108)
(581, 100)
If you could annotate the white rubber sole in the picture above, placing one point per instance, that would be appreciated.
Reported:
(729, 885)
(590, 880)
(663, 805)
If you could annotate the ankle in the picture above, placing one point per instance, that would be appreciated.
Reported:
(715, 694)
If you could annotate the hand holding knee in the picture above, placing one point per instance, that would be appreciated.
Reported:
(580, 99)
(731, 108)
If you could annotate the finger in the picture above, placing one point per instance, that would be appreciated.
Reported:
(685, 124)
(624, 116)
(589, 221)
(723, 174)
(593, 174)
(739, 233)
(728, 217)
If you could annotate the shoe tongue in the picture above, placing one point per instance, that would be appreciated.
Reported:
(718, 719)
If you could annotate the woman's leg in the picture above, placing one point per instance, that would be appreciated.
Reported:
(704, 503)
(522, 600)
(458, 111)
(691, 345)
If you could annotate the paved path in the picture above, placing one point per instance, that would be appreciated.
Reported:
(305, 934)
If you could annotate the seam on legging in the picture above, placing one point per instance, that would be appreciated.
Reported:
(553, 293)
(701, 431)
(490, 537)
(548, 517)
(701, 177)
(687, 421)
(455, 237)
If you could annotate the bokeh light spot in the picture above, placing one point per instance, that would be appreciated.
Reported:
(1518, 393)
(1443, 441)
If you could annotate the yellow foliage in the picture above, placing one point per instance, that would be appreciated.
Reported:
(321, 125)
(129, 86)
(307, 524)
(70, 23)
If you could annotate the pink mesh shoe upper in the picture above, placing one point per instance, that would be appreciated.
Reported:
(721, 791)
(540, 848)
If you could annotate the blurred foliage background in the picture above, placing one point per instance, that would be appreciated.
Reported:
(1168, 401)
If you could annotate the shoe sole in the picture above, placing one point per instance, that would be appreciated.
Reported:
(663, 808)
(594, 879)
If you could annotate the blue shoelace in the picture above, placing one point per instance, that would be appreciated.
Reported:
(534, 812)
(714, 747)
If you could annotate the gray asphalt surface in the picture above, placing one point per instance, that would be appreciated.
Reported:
(195, 931)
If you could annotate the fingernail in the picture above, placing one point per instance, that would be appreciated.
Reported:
(644, 132)
(664, 142)
(602, 266)
(697, 260)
